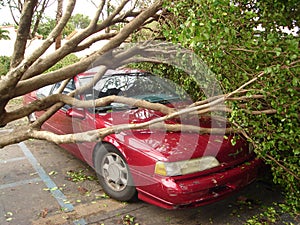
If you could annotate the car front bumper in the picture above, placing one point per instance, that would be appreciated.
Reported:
(174, 193)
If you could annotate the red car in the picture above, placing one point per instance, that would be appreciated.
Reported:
(168, 169)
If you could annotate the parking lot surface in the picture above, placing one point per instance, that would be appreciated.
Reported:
(41, 183)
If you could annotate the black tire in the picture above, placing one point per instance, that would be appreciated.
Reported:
(113, 173)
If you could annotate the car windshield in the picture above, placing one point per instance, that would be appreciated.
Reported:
(135, 85)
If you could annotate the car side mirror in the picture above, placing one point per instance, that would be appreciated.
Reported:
(76, 113)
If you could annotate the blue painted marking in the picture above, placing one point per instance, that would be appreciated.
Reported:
(18, 183)
(80, 222)
(57, 194)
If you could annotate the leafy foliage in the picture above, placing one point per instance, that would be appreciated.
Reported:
(238, 40)
(4, 34)
(175, 75)
(77, 21)
(4, 65)
(68, 60)
(78, 176)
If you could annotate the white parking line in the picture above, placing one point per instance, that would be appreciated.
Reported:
(19, 183)
(12, 160)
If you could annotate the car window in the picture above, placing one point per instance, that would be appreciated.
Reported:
(89, 93)
(44, 91)
(135, 85)
(69, 88)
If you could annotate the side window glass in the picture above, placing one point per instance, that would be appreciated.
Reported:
(69, 88)
(44, 91)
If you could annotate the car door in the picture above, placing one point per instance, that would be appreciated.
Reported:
(82, 120)
(59, 122)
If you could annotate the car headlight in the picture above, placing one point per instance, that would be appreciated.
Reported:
(185, 167)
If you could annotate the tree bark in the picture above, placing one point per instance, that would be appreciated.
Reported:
(58, 18)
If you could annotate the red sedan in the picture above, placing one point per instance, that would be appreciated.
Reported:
(168, 169)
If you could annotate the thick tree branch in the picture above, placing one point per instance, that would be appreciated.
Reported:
(98, 135)
(10, 80)
(23, 33)
(47, 102)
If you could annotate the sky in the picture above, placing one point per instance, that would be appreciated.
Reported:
(82, 6)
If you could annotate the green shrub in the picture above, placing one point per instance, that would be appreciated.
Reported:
(175, 75)
(4, 65)
(223, 33)
(68, 60)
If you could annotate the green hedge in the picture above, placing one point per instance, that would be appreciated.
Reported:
(68, 60)
(223, 33)
(4, 65)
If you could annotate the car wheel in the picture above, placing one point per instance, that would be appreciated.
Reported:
(113, 173)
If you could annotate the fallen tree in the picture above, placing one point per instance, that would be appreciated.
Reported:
(29, 74)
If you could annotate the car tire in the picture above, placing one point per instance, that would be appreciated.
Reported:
(113, 173)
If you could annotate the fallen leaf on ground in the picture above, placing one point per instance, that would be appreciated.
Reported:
(44, 213)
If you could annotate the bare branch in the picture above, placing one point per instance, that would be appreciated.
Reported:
(243, 98)
(39, 14)
(33, 61)
(44, 79)
(157, 123)
(94, 21)
(94, 39)
(19, 134)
